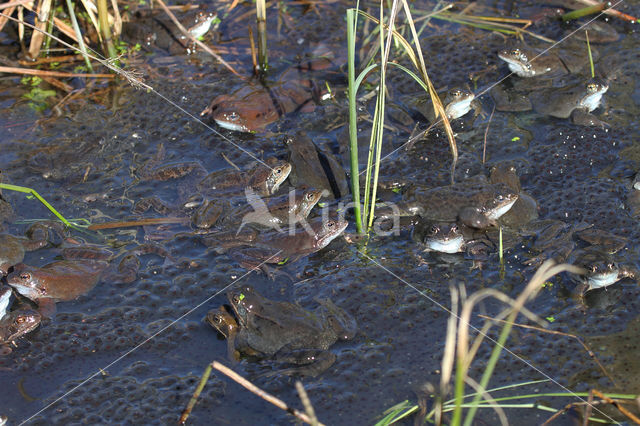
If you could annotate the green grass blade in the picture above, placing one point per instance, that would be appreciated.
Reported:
(76, 29)
(40, 198)
(593, 74)
(353, 117)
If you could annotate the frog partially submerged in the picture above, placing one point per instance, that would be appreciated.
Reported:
(314, 166)
(274, 212)
(525, 209)
(262, 179)
(253, 107)
(602, 270)
(66, 280)
(474, 202)
(457, 102)
(439, 237)
(576, 101)
(12, 249)
(17, 323)
(528, 62)
(451, 238)
(282, 331)
(149, 31)
(252, 249)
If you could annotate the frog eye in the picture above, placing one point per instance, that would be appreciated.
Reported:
(234, 116)
(330, 224)
(518, 53)
(235, 299)
(454, 228)
(592, 87)
(277, 170)
(20, 319)
(456, 93)
(435, 229)
(308, 196)
(25, 276)
(217, 319)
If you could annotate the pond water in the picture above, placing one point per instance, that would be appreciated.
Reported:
(88, 158)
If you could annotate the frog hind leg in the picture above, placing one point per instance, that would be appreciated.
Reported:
(584, 118)
(255, 258)
(125, 273)
(310, 363)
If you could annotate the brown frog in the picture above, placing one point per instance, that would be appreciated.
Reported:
(17, 323)
(262, 179)
(314, 166)
(66, 280)
(601, 270)
(283, 331)
(474, 202)
(252, 248)
(529, 62)
(253, 107)
(12, 248)
(525, 209)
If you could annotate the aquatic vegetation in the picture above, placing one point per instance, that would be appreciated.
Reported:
(387, 35)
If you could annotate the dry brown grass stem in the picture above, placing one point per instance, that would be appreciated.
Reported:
(590, 404)
(50, 59)
(13, 4)
(42, 73)
(611, 12)
(546, 271)
(448, 357)
(306, 403)
(437, 104)
(3, 20)
(486, 133)
(204, 47)
(59, 23)
(262, 394)
(487, 397)
(42, 16)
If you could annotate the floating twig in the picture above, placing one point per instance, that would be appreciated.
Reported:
(142, 222)
(610, 11)
(486, 133)
(262, 394)
(42, 73)
(196, 394)
(306, 403)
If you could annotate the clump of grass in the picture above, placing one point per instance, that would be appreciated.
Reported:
(460, 353)
(387, 36)
(107, 25)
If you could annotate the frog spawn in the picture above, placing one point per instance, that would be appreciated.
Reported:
(136, 393)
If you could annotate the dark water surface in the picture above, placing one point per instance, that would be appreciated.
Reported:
(84, 162)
